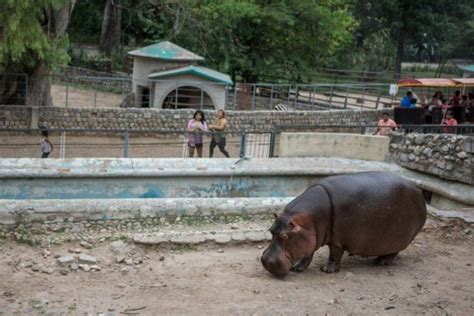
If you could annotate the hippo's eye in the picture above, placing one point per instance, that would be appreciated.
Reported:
(284, 236)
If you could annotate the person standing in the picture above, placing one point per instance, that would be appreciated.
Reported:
(46, 145)
(196, 127)
(218, 134)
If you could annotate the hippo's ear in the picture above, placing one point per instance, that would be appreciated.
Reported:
(294, 226)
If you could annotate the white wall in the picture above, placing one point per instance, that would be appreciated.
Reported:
(353, 146)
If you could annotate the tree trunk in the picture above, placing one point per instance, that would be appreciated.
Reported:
(405, 9)
(111, 27)
(39, 81)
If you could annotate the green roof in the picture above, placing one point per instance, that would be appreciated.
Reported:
(198, 71)
(165, 50)
(468, 68)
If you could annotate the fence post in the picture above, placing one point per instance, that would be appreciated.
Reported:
(202, 97)
(272, 143)
(378, 98)
(296, 96)
(347, 96)
(242, 145)
(62, 148)
(26, 89)
(235, 96)
(67, 90)
(253, 98)
(363, 98)
(176, 97)
(95, 95)
(330, 96)
(125, 145)
(271, 99)
(289, 94)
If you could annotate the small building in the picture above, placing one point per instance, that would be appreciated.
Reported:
(465, 65)
(168, 76)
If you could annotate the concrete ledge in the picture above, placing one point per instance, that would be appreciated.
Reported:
(52, 211)
(351, 146)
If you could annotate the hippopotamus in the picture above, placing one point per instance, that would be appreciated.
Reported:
(367, 214)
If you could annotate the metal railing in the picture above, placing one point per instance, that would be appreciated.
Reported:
(86, 91)
(128, 143)
(369, 129)
(92, 143)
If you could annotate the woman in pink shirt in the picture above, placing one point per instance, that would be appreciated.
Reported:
(196, 128)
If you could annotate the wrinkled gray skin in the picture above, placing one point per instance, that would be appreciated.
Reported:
(367, 214)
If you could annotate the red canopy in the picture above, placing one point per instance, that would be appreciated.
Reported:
(428, 82)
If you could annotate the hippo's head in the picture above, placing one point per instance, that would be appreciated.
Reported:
(293, 238)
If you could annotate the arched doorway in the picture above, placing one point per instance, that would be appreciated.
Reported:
(188, 97)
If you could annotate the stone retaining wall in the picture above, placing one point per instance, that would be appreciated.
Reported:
(447, 156)
(88, 77)
(171, 120)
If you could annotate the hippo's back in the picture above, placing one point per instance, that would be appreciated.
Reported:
(374, 213)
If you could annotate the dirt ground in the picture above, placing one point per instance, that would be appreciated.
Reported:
(433, 276)
(21, 146)
(84, 98)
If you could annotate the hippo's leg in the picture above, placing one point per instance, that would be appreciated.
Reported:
(385, 260)
(303, 264)
(334, 261)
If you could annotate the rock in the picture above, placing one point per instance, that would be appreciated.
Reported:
(162, 258)
(220, 250)
(260, 247)
(96, 267)
(74, 266)
(85, 267)
(389, 307)
(128, 261)
(234, 226)
(119, 258)
(86, 245)
(467, 231)
(87, 259)
(36, 268)
(118, 247)
(137, 261)
(124, 270)
(427, 152)
(64, 271)
(64, 260)
(419, 139)
(462, 155)
(333, 301)
(46, 253)
(47, 270)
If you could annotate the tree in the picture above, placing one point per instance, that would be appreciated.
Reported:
(33, 41)
(111, 27)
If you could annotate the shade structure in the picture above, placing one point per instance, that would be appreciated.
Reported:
(468, 82)
(428, 82)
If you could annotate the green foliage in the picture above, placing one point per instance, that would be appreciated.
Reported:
(24, 39)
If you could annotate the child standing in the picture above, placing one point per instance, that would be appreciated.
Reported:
(46, 146)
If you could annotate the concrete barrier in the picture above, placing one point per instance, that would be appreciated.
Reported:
(351, 146)
(58, 190)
